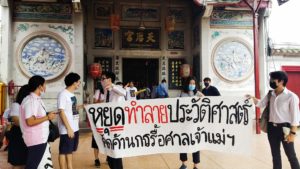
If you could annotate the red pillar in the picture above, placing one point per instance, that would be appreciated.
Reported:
(256, 67)
(254, 8)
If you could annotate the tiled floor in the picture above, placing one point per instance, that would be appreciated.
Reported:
(260, 158)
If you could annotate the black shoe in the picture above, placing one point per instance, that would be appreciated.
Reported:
(97, 163)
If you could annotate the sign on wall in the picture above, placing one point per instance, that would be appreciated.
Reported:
(176, 40)
(103, 38)
(175, 81)
(172, 125)
(133, 38)
(230, 19)
(136, 13)
(178, 13)
(102, 11)
(42, 12)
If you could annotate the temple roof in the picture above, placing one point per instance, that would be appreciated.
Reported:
(285, 49)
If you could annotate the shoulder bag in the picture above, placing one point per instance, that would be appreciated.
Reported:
(263, 121)
(53, 132)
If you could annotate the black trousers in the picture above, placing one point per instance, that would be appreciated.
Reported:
(275, 137)
(196, 157)
(114, 163)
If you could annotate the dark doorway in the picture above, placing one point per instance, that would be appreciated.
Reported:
(143, 72)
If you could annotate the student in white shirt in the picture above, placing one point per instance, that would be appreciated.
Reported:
(112, 93)
(17, 149)
(34, 122)
(68, 121)
(284, 112)
(131, 91)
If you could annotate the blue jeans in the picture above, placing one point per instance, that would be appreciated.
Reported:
(275, 136)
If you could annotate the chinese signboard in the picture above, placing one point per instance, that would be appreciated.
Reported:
(140, 39)
(174, 73)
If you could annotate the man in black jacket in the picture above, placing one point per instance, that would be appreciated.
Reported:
(209, 90)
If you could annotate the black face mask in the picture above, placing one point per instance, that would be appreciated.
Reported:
(273, 85)
(206, 84)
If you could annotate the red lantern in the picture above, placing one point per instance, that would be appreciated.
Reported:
(199, 2)
(170, 23)
(115, 22)
(185, 70)
(95, 70)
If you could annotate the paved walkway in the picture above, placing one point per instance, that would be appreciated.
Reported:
(260, 158)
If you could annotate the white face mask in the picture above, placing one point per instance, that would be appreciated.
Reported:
(42, 92)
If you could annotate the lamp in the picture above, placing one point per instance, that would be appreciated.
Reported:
(170, 21)
(95, 70)
(114, 21)
(142, 25)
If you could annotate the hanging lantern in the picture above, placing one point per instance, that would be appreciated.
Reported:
(170, 23)
(95, 70)
(185, 70)
(115, 22)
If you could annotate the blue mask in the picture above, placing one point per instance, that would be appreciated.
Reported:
(192, 87)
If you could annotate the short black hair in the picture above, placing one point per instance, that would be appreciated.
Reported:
(71, 78)
(23, 92)
(164, 81)
(280, 76)
(119, 83)
(207, 79)
(35, 81)
(110, 75)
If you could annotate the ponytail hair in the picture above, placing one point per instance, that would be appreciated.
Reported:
(23, 92)
(34, 82)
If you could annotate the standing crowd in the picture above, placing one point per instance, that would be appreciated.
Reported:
(30, 130)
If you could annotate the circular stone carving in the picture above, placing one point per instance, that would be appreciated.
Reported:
(232, 60)
(45, 54)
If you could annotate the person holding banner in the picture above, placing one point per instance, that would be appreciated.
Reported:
(112, 93)
(190, 89)
(68, 121)
(34, 122)
(283, 119)
(97, 98)
(209, 90)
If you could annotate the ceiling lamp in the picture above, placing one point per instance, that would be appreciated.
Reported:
(115, 22)
(170, 21)
(142, 24)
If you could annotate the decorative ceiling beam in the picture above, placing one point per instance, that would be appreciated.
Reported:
(208, 11)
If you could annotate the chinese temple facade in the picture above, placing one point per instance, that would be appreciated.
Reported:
(140, 40)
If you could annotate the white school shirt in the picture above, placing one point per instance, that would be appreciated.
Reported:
(68, 102)
(116, 94)
(284, 108)
(98, 95)
(33, 105)
(14, 109)
(130, 93)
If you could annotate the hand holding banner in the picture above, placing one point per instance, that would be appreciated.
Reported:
(173, 125)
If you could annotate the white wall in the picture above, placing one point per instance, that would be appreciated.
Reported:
(5, 44)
